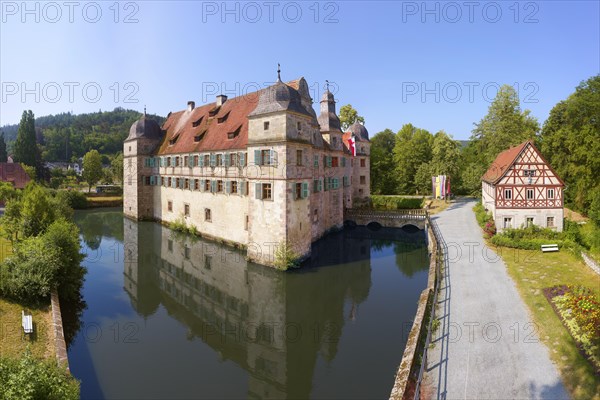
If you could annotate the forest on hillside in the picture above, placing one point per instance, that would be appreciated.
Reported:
(65, 136)
(403, 162)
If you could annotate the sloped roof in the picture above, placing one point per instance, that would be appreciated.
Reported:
(213, 125)
(503, 162)
(14, 174)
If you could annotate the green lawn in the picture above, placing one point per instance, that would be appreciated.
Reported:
(12, 341)
(533, 271)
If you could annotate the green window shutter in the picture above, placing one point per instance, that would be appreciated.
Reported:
(326, 183)
(329, 161)
(304, 190)
(151, 180)
(324, 161)
(241, 190)
(273, 157)
(201, 160)
(320, 185)
(213, 186)
(316, 163)
(258, 191)
(213, 159)
(228, 186)
(315, 185)
(190, 160)
(242, 159)
(257, 160)
(226, 159)
(343, 161)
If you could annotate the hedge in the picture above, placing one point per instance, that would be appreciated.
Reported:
(395, 202)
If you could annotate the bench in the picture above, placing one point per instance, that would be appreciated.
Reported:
(549, 247)
(26, 322)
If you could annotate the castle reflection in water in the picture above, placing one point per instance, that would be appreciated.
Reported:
(274, 325)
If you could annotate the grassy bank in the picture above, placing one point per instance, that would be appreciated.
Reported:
(12, 340)
(533, 271)
(104, 201)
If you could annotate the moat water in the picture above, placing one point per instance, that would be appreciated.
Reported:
(173, 316)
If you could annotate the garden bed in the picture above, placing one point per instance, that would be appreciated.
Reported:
(579, 312)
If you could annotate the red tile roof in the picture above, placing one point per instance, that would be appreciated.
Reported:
(503, 162)
(214, 135)
(15, 174)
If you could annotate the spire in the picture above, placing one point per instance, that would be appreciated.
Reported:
(144, 110)
(326, 85)
(278, 72)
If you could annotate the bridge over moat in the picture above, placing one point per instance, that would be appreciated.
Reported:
(388, 218)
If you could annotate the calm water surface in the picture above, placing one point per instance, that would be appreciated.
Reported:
(173, 316)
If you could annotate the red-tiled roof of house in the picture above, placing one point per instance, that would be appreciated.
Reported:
(212, 127)
(503, 162)
(14, 174)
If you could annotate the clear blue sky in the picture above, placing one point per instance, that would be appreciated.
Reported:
(436, 64)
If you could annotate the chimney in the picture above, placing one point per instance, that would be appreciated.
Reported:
(191, 105)
(221, 99)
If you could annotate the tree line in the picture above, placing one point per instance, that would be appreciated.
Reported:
(404, 162)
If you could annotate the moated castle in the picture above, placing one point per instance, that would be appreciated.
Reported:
(253, 171)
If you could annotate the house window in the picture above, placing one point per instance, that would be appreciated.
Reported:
(170, 245)
(363, 180)
(207, 185)
(247, 223)
(196, 159)
(529, 194)
(299, 157)
(207, 160)
(264, 191)
(334, 161)
(186, 184)
(219, 186)
(186, 252)
(507, 222)
(550, 222)
(298, 191)
(186, 210)
(219, 159)
(265, 156)
(266, 125)
(170, 205)
(529, 221)
(363, 162)
(196, 184)
(207, 215)
(185, 160)
(299, 125)
(529, 172)
(507, 194)
(233, 157)
(316, 162)
(207, 261)
(551, 193)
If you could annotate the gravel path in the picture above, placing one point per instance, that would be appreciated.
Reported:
(487, 346)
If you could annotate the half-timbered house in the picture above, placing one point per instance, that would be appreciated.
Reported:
(520, 189)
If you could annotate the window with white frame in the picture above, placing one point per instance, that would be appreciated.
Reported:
(530, 194)
(507, 194)
(550, 193)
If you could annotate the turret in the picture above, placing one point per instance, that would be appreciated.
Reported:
(329, 122)
(138, 192)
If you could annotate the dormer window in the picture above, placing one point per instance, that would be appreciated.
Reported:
(173, 140)
(200, 136)
(266, 125)
(232, 135)
(198, 122)
(214, 111)
(223, 118)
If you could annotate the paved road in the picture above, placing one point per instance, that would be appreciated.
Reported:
(486, 346)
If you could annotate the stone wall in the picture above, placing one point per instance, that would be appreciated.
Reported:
(519, 217)
(57, 329)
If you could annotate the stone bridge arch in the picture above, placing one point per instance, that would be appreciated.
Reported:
(389, 219)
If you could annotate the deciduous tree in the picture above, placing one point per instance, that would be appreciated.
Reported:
(348, 116)
(92, 168)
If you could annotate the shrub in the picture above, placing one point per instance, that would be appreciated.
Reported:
(31, 272)
(285, 257)
(483, 218)
(396, 202)
(73, 198)
(28, 378)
